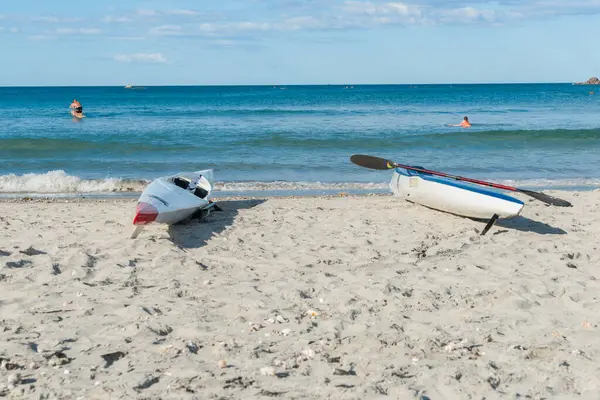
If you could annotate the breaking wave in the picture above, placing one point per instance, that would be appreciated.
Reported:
(59, 182)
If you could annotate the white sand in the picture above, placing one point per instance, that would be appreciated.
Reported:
(407, 302)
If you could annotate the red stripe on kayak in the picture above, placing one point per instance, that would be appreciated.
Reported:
(144, 214)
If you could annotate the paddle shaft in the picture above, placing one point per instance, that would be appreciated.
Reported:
(459, 178)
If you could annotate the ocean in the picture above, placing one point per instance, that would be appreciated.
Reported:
(294, 140)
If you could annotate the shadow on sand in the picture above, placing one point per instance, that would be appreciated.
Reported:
(195, 234)
(524, 224)
(518, 223)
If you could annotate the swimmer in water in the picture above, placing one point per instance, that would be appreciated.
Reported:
(464, 124)
(77, 108)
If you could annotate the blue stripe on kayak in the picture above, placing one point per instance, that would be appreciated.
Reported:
(459, 184)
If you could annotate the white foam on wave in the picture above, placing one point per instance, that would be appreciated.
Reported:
(59, 182)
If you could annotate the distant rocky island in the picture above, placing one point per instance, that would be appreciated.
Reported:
(592, 81)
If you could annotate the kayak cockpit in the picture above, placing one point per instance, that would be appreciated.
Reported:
(186, 184)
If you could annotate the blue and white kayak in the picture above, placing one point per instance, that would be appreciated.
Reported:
(453, 196)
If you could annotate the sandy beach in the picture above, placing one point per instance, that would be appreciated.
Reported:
(340, 297)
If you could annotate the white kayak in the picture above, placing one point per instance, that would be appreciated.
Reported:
(172, 199)
(453, 196)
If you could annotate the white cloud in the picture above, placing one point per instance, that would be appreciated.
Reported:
(167, 30)
(144, 58)
(55, 20)
(250, 26)
(301, 23)
(403, 9)
(468, 14)
(172, 14)
(368, 14)
(360, 7)
(247, 27)
(78, 31)
(113, 19)
(186, 13)
(147, 13)
(167, 13)
(208, 27)
(386, 13)
(288, 16)
(126, 37)
(326, 15)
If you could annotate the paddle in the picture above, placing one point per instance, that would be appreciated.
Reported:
(383, 164)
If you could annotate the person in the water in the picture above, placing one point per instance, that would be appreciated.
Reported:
(77, 107)
(464, 124)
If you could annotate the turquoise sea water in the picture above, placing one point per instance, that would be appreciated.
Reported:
(296, 138)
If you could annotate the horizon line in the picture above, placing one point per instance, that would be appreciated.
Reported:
(293, 84)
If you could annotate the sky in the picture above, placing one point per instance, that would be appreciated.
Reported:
(251, 42)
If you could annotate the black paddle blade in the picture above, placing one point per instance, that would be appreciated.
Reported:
(546, 198)
(372, 162)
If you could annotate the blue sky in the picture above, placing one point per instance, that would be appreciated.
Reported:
(297, 41)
